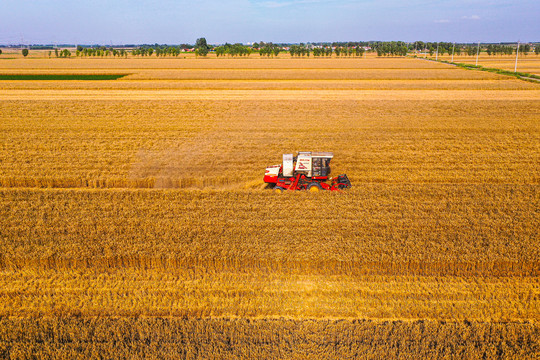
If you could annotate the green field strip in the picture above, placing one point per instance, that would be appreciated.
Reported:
(61, 76)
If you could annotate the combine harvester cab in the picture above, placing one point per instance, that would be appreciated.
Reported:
(307, 171)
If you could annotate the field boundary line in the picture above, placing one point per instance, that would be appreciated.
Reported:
(518, 75)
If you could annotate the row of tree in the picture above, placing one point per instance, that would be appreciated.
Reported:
(102, 52)
(349, 51)
(269, 49)
(392, 48)
(62, 53)
(499, 50)
(382, 48)
(233, 50)
(470, 49)
(526, 48)
(168, 51)
(323, 51)
(298, 50)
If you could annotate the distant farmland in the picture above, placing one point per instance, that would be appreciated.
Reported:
(134, 221)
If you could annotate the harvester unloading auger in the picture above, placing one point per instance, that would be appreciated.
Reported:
(307, 171)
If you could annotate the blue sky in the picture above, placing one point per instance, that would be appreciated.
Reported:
(182, 21)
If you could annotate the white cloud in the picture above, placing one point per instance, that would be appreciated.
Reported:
(472, 17)
(442, 21)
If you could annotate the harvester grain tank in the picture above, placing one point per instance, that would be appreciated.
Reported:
(306, 171)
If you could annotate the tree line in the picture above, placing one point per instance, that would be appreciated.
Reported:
(471, 49)
(268, 49)
(233, 50)
(391, 48)
(303, 50)
(339, 49)
(100, 51)
(500, 49)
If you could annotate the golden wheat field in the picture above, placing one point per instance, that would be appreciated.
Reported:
(134, 222)
(529, 63)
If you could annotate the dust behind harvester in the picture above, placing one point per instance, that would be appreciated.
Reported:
(306, 171)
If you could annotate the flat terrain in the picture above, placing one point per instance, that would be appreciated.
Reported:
(134, 221)
(529, 63)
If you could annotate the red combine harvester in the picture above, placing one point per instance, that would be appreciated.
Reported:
(307, 171)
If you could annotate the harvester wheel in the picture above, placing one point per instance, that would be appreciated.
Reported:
(279, 189)
(315, 187)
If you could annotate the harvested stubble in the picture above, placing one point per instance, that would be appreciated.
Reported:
(307, 74)
(135, 64)
(277, 74)
(508, 83)
(270, 95)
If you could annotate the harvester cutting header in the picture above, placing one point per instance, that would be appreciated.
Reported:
(307, 171)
